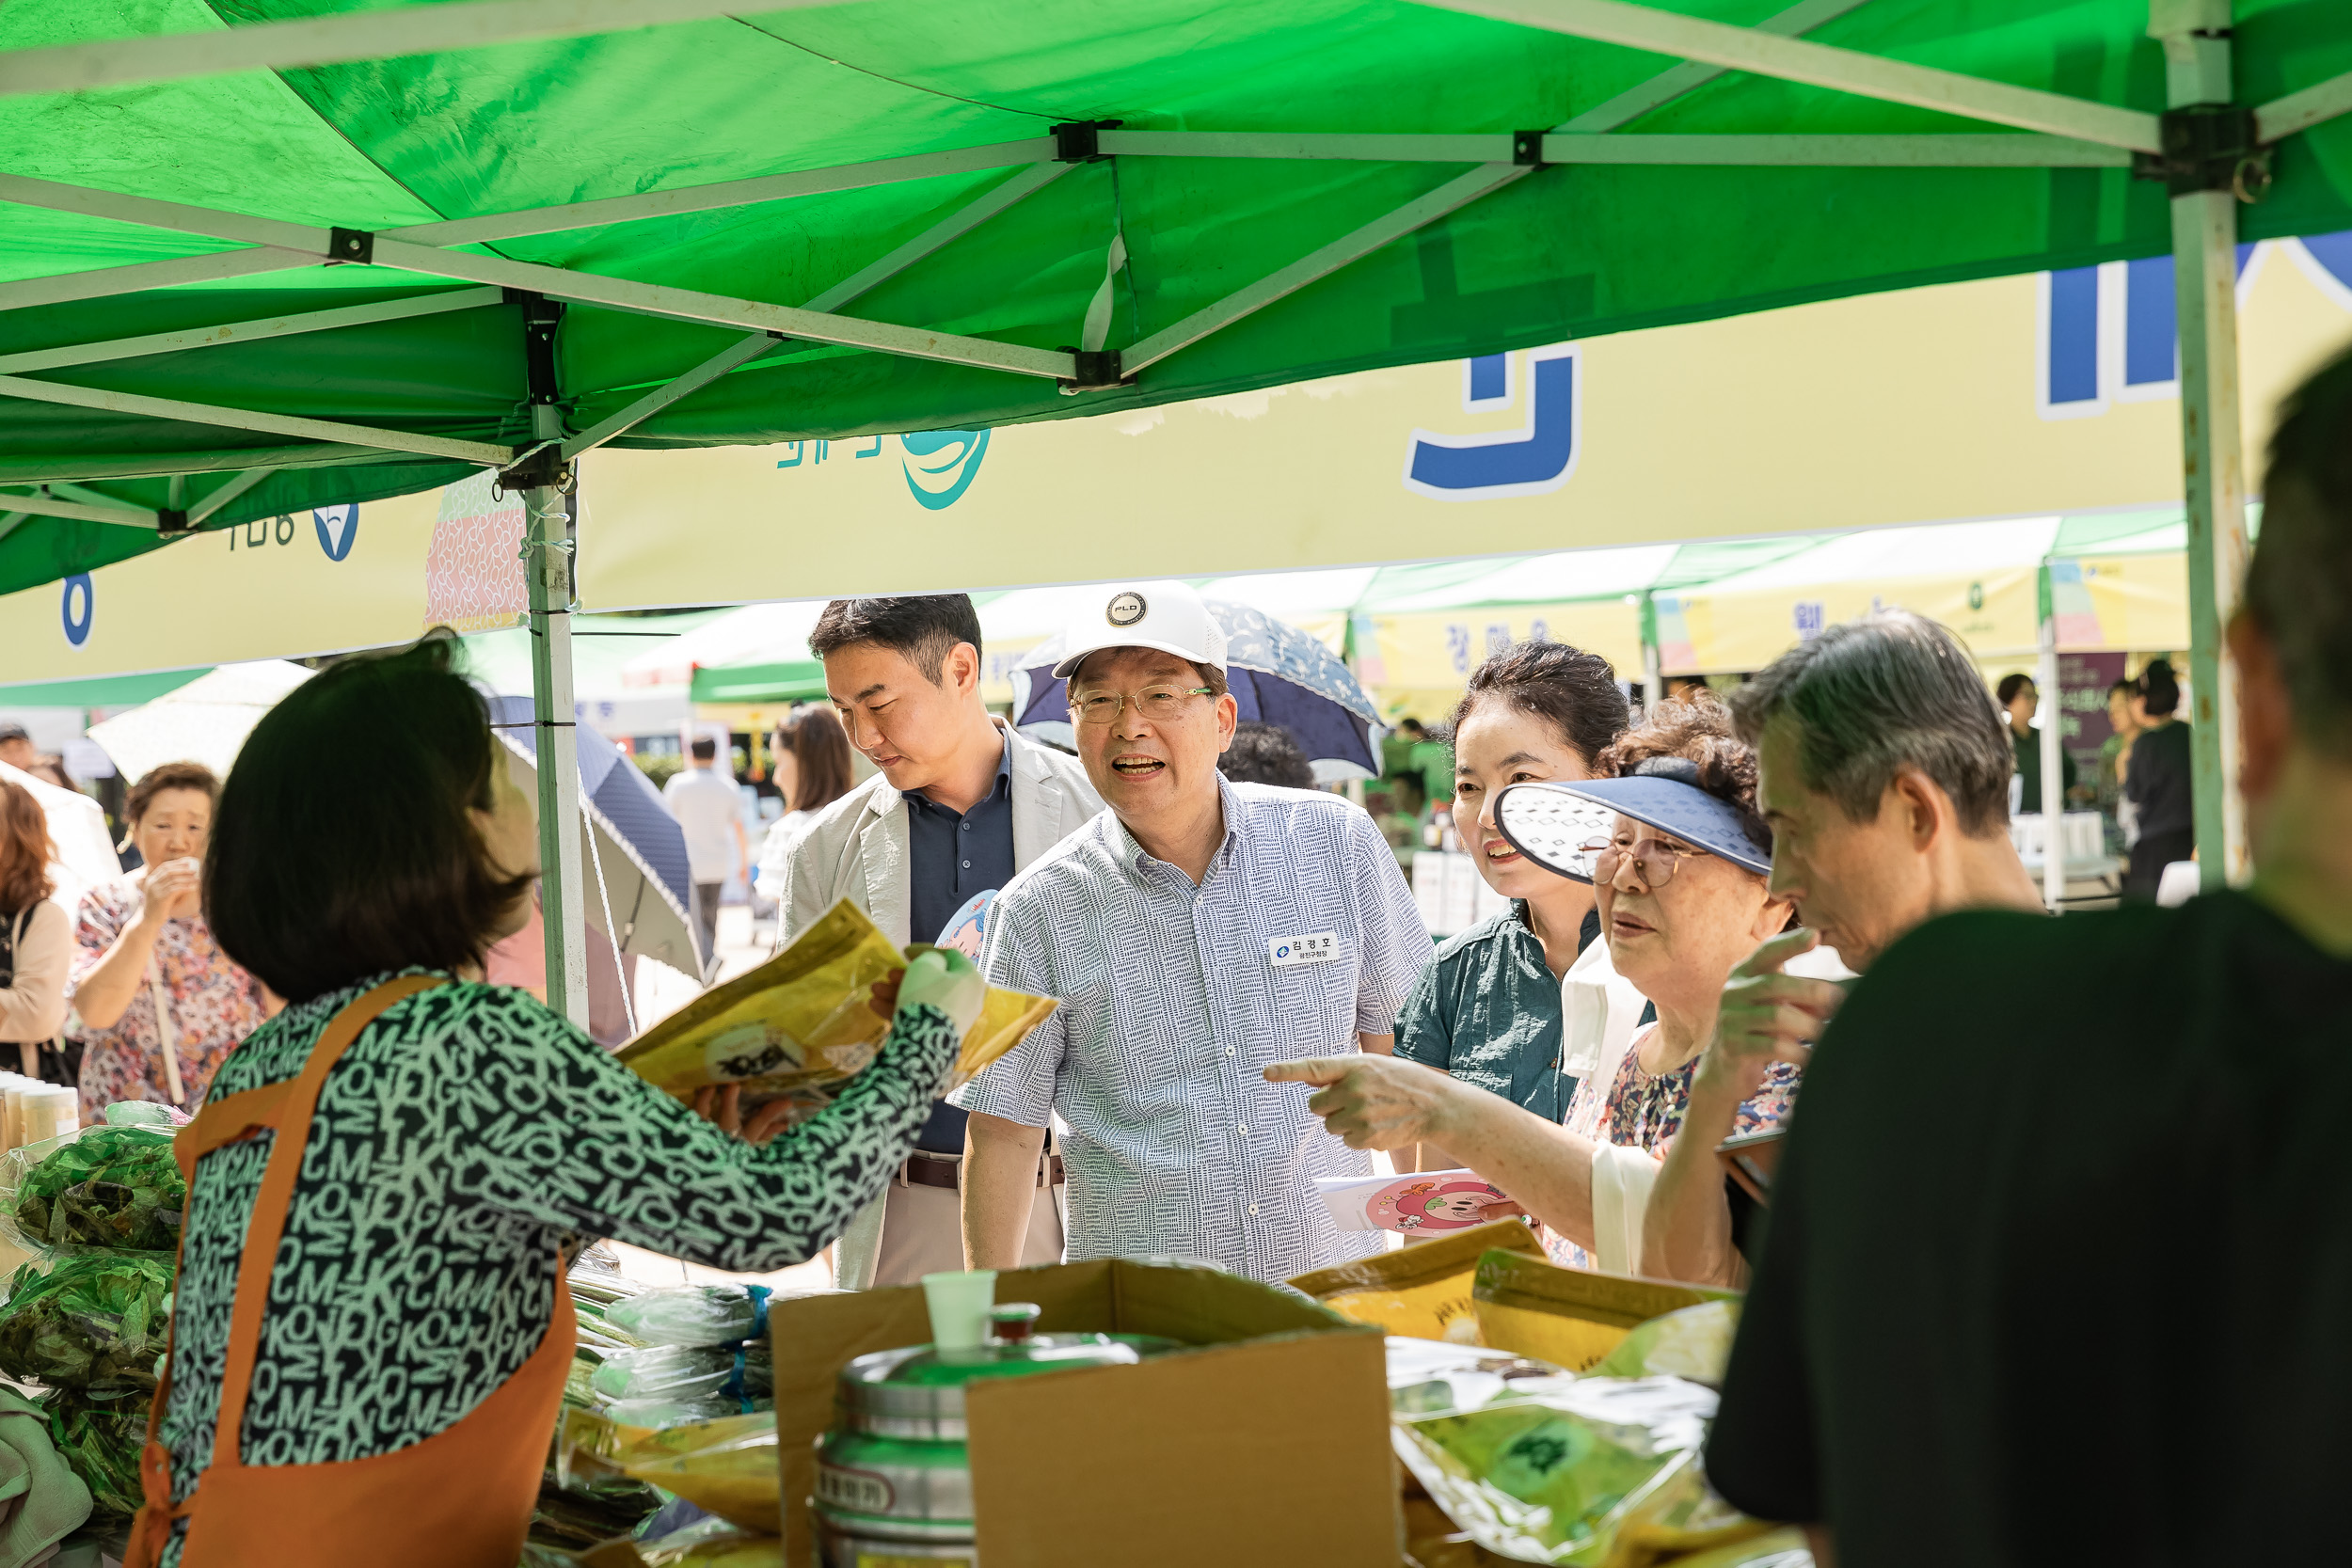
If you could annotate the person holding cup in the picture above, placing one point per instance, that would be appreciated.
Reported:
(156, 1004)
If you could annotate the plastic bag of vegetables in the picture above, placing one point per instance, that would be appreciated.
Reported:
(99, 1439)
(95, 1320)
(110, 1187)
(691, 1314)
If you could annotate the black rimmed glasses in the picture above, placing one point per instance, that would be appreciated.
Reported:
(1157, 704)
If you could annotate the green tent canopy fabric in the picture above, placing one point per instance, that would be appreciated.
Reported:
(99, 691)
(1001, 271)
(785, 681)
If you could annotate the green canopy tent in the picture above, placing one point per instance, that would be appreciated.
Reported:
(259, 259)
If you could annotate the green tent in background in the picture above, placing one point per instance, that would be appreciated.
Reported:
(1346, 165)
(275, 254)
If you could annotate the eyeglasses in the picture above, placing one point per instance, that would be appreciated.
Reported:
(1156, 703)
(1655, 861)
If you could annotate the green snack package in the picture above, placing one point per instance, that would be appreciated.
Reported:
(1551, 1469)
(96, 1320)
(113, 1187)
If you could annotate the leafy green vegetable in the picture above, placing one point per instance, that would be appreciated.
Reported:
(96, 1320)
(111, 1187)
(100, 1440)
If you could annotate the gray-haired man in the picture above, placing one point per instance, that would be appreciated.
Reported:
(2147, 1143)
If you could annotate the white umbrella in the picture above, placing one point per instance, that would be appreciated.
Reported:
(205, 720)
(78, 828)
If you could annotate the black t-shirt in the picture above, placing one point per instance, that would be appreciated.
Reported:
(2158, 781)
(2069, 1282)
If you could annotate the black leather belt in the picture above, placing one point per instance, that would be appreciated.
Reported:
(947, 1171)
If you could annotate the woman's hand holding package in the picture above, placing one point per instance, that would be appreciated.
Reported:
(948, 981)
(942, 980)
(1767, 1017)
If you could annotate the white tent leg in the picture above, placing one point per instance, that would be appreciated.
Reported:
(1653, 666)
(547, 568)
(2052, 760)
(2204, 272)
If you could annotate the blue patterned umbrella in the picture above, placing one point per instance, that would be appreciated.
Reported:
(1280, 675)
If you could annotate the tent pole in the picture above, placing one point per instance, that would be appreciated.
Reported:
(547, 568)
(1653, 668)
(2198, 69)
(2052, 757)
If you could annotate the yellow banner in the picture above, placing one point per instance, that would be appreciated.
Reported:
(1906, 407)
(1994, 612)
(283, 587)
(1438, 650)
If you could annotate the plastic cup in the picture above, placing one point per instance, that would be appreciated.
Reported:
(960, 1304)
(50, 1111)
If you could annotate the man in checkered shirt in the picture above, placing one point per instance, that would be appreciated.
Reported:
(1193, 932)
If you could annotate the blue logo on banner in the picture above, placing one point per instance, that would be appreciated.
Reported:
(77, 626)
(338, 528)
(937, 486)
(1539, 456)
(2109, 334)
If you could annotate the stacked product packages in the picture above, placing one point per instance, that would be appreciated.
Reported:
(99, 1208)
(670, 1368)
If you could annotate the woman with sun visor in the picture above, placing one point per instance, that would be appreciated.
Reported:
(1679, 873)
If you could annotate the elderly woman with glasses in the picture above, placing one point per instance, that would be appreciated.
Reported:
(1679, 874)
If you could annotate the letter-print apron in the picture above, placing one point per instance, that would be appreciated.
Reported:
(461, 1497)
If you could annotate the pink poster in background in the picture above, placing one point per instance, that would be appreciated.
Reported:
(473, 574)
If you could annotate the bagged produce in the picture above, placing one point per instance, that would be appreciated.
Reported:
(1423, 1291)
(96, 1320)
(808, 1019)
(665, 1372)
(727, 1467)
(691, 1314)
(652, 1414)
(113, 1186)
(99, 1439)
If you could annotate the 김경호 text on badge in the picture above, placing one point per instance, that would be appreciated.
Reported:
(1316, 947)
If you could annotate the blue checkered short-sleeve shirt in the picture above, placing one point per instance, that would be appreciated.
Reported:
(1172, 1003)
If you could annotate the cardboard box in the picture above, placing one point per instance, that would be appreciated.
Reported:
(1267, 1443)
(1421, 1291)
(1569, 1317)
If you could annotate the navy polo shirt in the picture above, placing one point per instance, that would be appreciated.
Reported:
(952, 856)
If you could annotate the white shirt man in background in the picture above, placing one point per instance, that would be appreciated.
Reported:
(707, 806)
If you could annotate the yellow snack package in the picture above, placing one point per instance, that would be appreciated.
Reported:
(727, 1467)
(1422, 1293)
(1569, 1317)
(808, 1019)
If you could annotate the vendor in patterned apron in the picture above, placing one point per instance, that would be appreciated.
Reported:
(369, 1344)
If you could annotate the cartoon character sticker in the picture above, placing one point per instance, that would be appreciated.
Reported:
(968, 926)
(1433, 1204)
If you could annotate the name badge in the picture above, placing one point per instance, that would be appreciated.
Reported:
(1316, 947)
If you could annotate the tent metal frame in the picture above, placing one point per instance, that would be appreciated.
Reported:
(2044, 130)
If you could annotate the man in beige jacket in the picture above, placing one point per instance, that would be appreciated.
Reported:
(960, 803)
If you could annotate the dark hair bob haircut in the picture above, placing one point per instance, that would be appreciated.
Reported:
(342, 847)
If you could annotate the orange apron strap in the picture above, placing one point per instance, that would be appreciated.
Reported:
(227, 1121)
(267, 1226)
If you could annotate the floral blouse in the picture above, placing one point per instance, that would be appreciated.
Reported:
(1646, 1110)
(213, 1005)
(466, 1137)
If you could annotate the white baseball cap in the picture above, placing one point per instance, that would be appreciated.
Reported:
(1168, 616)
